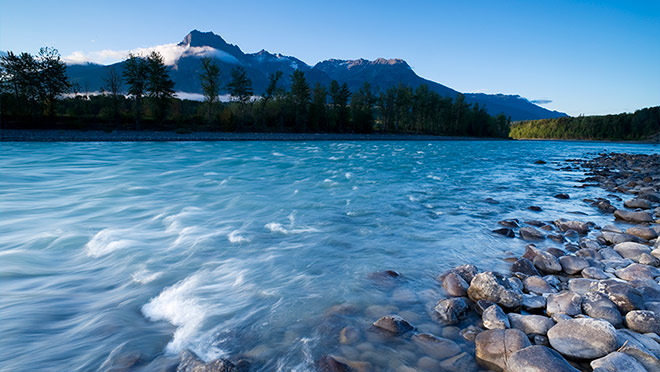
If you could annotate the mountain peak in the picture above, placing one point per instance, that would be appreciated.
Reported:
(196, 38)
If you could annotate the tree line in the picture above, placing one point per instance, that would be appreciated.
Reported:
(641, 125)
(140, 95)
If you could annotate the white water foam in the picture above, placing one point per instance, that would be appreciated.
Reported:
(236, 237)
(145, 276)
(178, 306)
(278, 228)
(107, 241)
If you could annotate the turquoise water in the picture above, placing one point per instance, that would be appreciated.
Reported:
(118, 255)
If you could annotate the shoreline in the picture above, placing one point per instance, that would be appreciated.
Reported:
(28, 135)
(582, 297)
(648, 141)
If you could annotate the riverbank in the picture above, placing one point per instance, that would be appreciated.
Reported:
(582, 297)
(17, 135)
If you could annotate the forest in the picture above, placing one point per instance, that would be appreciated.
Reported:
(36, 94)
(643, 124)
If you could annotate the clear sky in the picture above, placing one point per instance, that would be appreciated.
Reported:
(585, 57)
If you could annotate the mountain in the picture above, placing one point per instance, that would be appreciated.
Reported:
(380, 73)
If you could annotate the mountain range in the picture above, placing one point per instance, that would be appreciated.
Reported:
(381, 73)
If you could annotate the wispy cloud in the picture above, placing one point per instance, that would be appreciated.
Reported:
(170, 52)
(541, 101)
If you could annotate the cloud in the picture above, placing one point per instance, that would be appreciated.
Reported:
(541, 101)
(170, 52)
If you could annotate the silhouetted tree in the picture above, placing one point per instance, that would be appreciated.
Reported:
(300, 94)
(210, 81)
(240, 86)
(339, 96)
(159, 85)
(52, 77)
(113, 82)
(318, 113)
(136, 74)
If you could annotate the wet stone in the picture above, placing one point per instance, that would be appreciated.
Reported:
(594, 273)
(525, 266)
(349, 335)
(572, 264)
(538, 358)
(393, 324)
(531, 324)
(509, 223)
(577, 226)
(643, 232)
(467, 272)
(567, 302)
(637, 271)
(643, 321)
(506, 232)
(631, 250)
(494, 318)
(533, 302)
(536, 284)
(633, 217)
(637, 203)
(599, 306)
(494, 347)
(328, 363)
(583, 338)
(190, 363)
(455, 285)
(452, 310)
(614, 362)
(496, 288)
(546, 262)
(436, 347)
(530, 234)
(562, 195)
(580, 285)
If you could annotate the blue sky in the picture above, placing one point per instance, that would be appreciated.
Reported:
(586, 57)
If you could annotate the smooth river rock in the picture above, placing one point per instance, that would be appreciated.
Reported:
(538, 358)
(494, 347)
(643, 321)
(637, 271)
(637, 203)
(494, 318)
(393, 324)
(525, 266)
(455, 285)
(572, 264)
(494, 287)
(531, 324)
(538, 285)
(578, 226)
(616, 362)
(437, 347)
(452, 310)
(623, 295)
(190, 363)
(598, 305)
(546, 262)
(530, 234)
(633, 217)
(569, 303)
(631, 250)
(583, 338)
(643, 232)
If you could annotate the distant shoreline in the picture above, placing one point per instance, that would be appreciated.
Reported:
(648, 141)
(26, 135)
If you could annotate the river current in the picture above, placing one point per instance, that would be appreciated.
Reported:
(120, 256)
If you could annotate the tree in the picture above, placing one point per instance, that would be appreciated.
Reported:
(240, 86)
(300, 93)
(113, 82)
(159, 85)
(362, 109)
(210, 80)
(340, 96)
(318, 113)
(135, 74)
(20, 75)
(52, 76)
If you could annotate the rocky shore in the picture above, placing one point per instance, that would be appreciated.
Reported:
(591, 305)
(16, 135)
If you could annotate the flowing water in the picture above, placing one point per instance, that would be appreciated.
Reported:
(123, 255)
